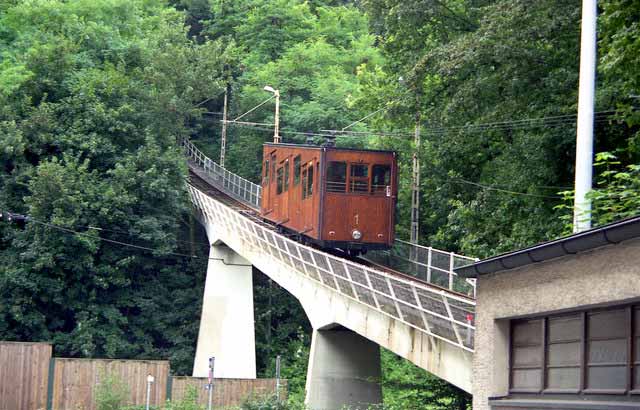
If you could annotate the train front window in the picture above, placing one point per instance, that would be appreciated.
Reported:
(296, 170)
(359, 178)
(279, 180)
(380, 178)
(337, 176)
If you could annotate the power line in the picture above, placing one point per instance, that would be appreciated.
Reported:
(282, 131)
(113, 241)
(499, 125)
(506, 191)
(97, 228)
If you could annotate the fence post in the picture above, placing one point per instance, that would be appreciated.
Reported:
(169, 387)
(50, 384)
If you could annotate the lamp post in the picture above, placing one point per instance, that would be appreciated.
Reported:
(276, 128)
(150, 380)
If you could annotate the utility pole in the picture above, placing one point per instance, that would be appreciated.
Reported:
(586, 97)
(415, 182)
(223, 140)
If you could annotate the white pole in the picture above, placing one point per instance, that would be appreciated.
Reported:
(211, 365)
(278, 378)
(223, 141)
(150, 380)
(586, 97)
(276, 128)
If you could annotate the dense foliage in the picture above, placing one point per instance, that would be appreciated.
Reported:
(94, 94)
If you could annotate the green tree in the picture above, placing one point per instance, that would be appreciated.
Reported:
(100, 91)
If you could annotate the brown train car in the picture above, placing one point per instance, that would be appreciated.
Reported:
(331, 197)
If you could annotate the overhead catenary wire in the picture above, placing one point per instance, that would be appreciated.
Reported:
(506, 191)
(499, 125)
(429, 132)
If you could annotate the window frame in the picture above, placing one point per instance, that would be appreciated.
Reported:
(351, 179)
(265, 178)
(330, 188)
(631, 364)
(382, 192)
(279, 180)
(285, 165)
(297, 169)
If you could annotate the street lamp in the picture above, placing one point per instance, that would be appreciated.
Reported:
(276, 128)
(150, 380)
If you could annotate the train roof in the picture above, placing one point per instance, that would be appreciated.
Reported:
(328, 148)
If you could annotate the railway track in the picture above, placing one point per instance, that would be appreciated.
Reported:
(201, 183)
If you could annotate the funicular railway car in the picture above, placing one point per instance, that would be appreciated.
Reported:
(331, 197)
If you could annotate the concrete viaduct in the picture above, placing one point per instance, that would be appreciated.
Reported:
(353, 308)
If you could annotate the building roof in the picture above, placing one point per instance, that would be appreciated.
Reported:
(569, 245)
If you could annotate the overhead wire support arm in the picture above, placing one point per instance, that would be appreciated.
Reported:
(254, 108)
(366, 116)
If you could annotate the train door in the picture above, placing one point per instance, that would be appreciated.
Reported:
(271, 183)
(282, 190)
(308, 191)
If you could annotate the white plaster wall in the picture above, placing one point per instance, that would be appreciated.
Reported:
(607, 275)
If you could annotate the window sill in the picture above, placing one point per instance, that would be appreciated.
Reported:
(562, 404)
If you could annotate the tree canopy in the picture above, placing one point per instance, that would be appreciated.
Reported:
(94, 95)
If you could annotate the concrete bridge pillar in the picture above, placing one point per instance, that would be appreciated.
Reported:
(226, 324)
(344, 371)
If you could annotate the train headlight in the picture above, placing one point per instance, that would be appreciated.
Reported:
(356, 234)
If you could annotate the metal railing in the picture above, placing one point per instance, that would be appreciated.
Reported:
(231, 184)
(436, 312)
(428, 264)
(425, 263)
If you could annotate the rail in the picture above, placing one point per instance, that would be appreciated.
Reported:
(436, 312)
(233, 185)
(425, 263)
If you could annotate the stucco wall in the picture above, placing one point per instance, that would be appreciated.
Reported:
(606, 275)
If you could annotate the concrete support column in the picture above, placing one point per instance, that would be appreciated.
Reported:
(226, 324)
(344, 370)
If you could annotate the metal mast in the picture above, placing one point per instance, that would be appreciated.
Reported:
(223, 140)
(415, 183)
(586, 97)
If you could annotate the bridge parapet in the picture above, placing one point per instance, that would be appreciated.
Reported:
(436, 312)
(232, 184)
(426, 263)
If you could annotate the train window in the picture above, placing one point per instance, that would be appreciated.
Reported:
(380, 178)
(286, 174)
(359, 180)
(304, 182)
(310, 181)
(296, 170)
(307, 180)
(265, 180)
(279, 180)
(273, 166)
(337, 176)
